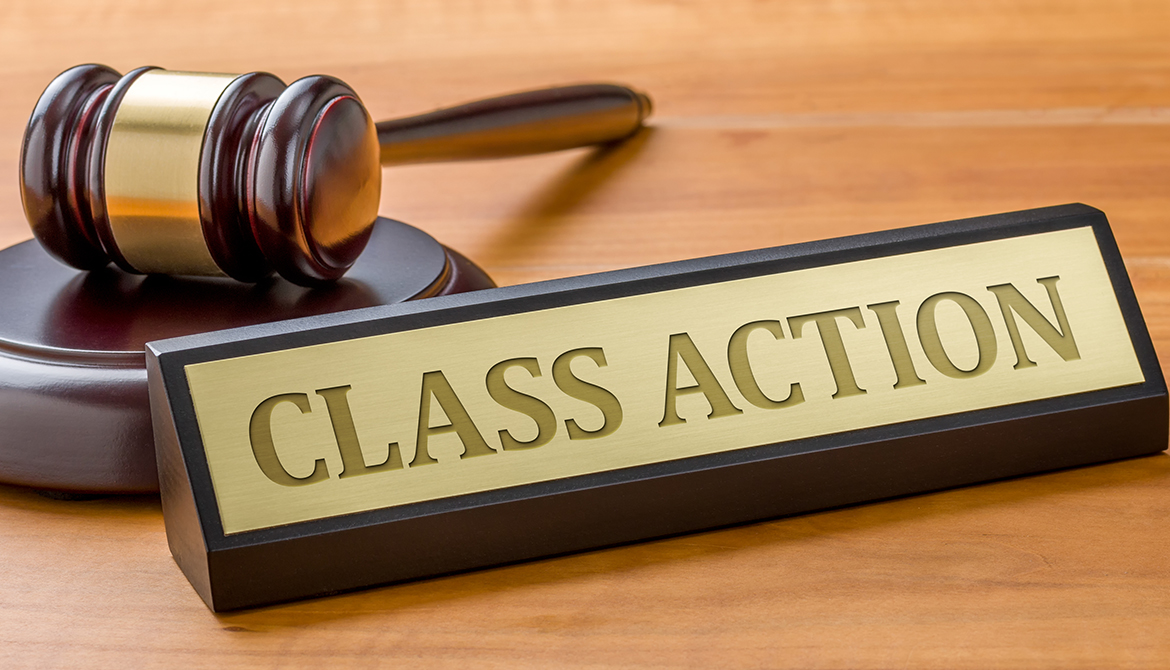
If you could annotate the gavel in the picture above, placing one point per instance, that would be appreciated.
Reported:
(228, 175)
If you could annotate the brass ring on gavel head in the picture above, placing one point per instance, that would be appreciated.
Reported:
(152, 172)
(201, 174)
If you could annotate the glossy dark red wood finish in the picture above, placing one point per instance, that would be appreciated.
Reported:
(286, 173)
(74, 412)
(54, 163)
(264, 204)
(529, 122)
(315, 180)
(224, 178)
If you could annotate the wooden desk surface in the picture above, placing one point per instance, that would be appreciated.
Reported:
(775, 123)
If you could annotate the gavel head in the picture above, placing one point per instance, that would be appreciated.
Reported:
(201, 174)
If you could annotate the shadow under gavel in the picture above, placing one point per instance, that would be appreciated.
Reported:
(183, 173)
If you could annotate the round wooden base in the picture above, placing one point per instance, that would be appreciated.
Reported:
(74, 413)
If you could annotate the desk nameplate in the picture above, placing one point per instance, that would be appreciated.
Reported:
(366, 429)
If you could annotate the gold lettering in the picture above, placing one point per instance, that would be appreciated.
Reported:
(741, 369)
(1061, 341)
(833, 344)
(263, 449)
(435, 384)
(352, 461)
(682, 348)
(895, 337)
(534, 408)
(573, 386)
(932, 343)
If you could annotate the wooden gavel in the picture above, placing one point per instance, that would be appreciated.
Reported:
(224, 175)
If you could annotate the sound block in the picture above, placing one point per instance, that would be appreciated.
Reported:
(74, 408)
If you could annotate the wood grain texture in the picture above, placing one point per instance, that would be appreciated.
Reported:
(775, 123)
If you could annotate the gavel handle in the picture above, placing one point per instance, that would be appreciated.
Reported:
(532, 122)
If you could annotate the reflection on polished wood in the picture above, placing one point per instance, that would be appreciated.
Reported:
(774, 123)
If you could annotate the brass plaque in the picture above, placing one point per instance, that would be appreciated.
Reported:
(314, 432)
(341, 451)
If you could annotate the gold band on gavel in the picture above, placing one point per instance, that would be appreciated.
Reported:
(152, 171)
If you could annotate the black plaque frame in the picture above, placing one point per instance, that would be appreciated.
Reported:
(519, 523)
